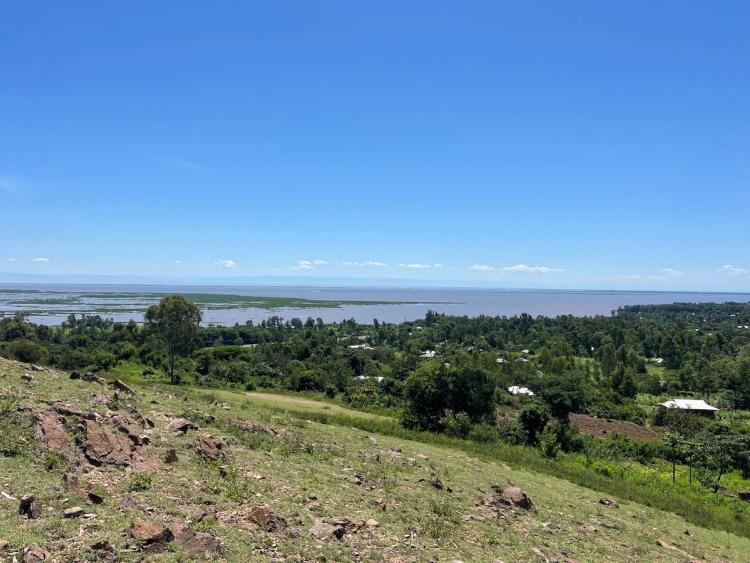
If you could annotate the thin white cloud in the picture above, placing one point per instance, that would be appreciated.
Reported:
(532, 269)
(178, 262)
(367, 264)
(733, 270)
(309, 264)
(10, 260)
(41, 259)
(437, 265)
(481, 268)
(415, 266)
(226, 263)
(671, 272)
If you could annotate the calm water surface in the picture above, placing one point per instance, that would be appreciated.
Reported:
(471, 302)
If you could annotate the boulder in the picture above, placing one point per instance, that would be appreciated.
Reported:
(26, 377)
(92, 377)
(608, 502)
(210, 447)
(322, 529)
(30, 507)
(73, 512)
(149, 532)
(51, 431)
(104, 447)
(171, 456)
(267, 519)
(35, 554)
(199, 544)
(179, 426)
(435, 482)
(514, 496)
(144, 461)
(120, 386)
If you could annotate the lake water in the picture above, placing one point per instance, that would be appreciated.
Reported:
(407, 303)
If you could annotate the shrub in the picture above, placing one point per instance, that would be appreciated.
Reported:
(25, 350)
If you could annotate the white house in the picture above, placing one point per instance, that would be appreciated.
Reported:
(689, 405)
(428, 354)
(518, 390)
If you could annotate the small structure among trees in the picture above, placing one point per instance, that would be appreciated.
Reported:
(693, 405)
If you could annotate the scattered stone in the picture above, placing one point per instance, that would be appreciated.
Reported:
(145, 422)
(37, 368)
(26, 377)
(144, 461)
(322, 529)
(179, 426)
(360, 479)
(92, 377)
(372, 523)
(104, 447)
(171, 456)
(71, 481)
(267, 519)
(200, 544)
(120, 386)
(434, 481)
(30, 507)
(103, 545)
(67, 410)
(35, 554)
(73, 512)
(673, 547)
(210, 447)
(3, 545)
(514, 496)
(608, 502)
(150, 533)
(75, 375)
(51, 431)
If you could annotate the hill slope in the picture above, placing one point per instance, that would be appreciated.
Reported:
(283, 487)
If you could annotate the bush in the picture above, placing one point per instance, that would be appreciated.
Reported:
(532, 420)
(548, 443)
(25, 350)
(457, 425)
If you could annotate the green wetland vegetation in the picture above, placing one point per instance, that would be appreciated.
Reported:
(34, 302)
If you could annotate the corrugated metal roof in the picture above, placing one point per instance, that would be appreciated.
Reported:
(688, 404)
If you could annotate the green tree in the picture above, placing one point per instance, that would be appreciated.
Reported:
(175, 320)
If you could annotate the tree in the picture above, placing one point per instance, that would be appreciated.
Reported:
(532, 419)
(673, 441)
(175, 320)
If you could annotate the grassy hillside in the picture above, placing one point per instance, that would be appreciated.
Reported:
(324, 479)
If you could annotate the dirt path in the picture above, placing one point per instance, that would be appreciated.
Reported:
(307, 404)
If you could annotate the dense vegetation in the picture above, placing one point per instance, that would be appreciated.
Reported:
(451, 375)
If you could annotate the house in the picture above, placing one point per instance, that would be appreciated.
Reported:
(694, 405)
(518, 390)
(427, 354)
(658, 361)
(366, 377)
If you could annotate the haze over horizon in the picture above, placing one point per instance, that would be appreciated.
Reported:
(512, 145)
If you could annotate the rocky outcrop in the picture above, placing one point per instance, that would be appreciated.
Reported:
(210, 447)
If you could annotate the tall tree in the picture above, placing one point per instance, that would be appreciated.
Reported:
(175, 320)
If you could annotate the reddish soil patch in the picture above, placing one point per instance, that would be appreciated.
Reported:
(603, 428)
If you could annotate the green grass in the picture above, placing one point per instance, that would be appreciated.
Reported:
(305, 469)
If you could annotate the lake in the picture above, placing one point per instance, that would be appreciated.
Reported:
(226, 305)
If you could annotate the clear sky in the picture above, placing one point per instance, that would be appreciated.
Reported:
(513, 143)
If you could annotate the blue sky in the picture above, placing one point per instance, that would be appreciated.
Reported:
(530, 143)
